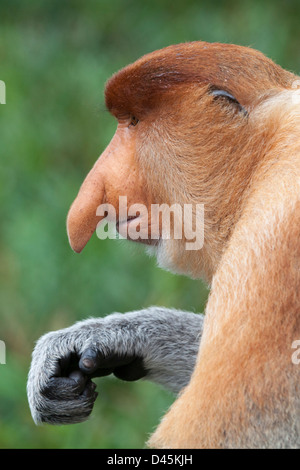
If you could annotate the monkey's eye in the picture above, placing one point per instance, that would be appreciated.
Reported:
(133, 121)
(222, 94)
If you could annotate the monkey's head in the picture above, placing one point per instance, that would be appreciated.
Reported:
(187, 134)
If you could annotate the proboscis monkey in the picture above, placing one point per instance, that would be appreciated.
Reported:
(218, 125)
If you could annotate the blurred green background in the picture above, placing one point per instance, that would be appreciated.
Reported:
(55, 58)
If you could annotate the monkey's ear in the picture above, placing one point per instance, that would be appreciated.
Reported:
(218, 93)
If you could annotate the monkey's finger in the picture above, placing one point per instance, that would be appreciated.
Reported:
(65, 387)
(79, 378)
(90, 390)
(90, 361)
(124, 366)
(95, 364)
(55, 408)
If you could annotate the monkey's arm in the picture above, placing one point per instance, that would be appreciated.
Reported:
(156, 343)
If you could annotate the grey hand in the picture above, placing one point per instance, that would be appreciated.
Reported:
(155, 343)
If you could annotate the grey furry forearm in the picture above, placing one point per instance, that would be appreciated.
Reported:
(168, 341)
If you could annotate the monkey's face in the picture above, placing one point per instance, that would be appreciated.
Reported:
(185, 137)
(149, 181)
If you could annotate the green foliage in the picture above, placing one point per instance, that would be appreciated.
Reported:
(55, 58)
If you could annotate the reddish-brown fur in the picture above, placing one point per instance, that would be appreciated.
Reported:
(138, 88)
(189, 147)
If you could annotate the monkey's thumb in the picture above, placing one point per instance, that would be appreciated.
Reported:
(89, 361)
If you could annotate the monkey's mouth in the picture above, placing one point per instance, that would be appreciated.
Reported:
(136, 228)
(125, 223)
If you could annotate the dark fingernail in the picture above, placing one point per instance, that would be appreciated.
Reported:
(88, 363)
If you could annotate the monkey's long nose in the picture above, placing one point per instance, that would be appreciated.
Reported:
(82, 219)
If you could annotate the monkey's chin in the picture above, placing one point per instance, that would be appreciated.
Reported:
(172, 256)
(161, 251)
